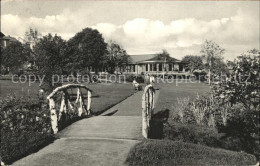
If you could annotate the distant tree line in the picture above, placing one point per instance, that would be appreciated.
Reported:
(86, 50)
(50, 54)
(210, 62)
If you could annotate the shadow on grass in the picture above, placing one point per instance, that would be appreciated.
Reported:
(157, 124)
(111, 113)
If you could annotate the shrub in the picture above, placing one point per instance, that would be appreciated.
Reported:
(242, 90)
(237, 125)
(25, 126)
(243, 85)
(130, 78)
(202, 111)
(192, 134)
(182, 106)
(166, 152)
(244, 128)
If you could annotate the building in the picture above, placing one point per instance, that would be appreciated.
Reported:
(155, 64)
(5, 40)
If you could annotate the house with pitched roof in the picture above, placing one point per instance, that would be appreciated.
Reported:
(5, 40)
(155, 64)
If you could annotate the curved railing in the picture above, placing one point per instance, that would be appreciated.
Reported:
(66, 107)
(147, 109)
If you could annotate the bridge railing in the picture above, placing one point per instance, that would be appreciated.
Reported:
(68, 108)
(147, 109)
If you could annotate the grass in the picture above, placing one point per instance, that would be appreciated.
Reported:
(169, 153)
(17, 144)
(206, 139)
(104, 95)
(170, 92)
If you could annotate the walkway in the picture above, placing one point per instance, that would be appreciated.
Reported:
(97, 141)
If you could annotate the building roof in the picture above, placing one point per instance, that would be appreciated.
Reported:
(163, 59)
(1, 35)
(151, 58)
(139, 58)
(9, 38)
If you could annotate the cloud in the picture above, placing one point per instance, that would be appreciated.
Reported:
(10, 24)
(107, 29)
(142, 35)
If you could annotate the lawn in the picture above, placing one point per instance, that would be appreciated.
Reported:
(185, 144)
(171, 91)
(104, 95)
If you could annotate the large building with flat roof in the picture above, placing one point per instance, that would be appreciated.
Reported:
(154, 64)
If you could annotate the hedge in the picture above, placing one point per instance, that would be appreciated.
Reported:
(167, 152)
(25, 127)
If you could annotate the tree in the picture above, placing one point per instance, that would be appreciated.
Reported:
(195, 65)
(14, 56)
(194, 62)
(49, 55)
(1, 59)
(87, 49)
(32, 36)
(164, 55)
(116, 56)
(243, 91)
(212, 56)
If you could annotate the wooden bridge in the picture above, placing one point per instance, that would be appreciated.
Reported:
(100, 140)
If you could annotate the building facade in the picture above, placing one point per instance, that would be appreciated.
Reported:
(154, 64)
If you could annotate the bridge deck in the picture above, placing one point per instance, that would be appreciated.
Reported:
(97, 141)
(118, 127)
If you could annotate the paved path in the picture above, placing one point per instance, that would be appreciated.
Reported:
(96, 141)
(132, 106)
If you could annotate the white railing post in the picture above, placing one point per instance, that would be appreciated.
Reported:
(62, 106)
(89, 102)
(147, 109)
(54, 121)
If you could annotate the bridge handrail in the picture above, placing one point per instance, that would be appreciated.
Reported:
(65, 103)
(65, 87)
(147, 108)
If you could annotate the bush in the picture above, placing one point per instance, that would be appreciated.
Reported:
(192, 134)
(243, 127)
(236, 128)
(243, 89)
(25, 127)
(166, 152)
(130, 78)
(203, 111)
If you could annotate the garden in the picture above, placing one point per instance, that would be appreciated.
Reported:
(208, 125)
(25, 118)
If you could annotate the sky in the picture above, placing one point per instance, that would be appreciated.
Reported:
(143, 27)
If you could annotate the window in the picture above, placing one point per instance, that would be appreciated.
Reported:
(180, 67)
(133, 68)
(146, 67)
(154, 67)
(151, 67)
(170, 67)
(160, 67)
